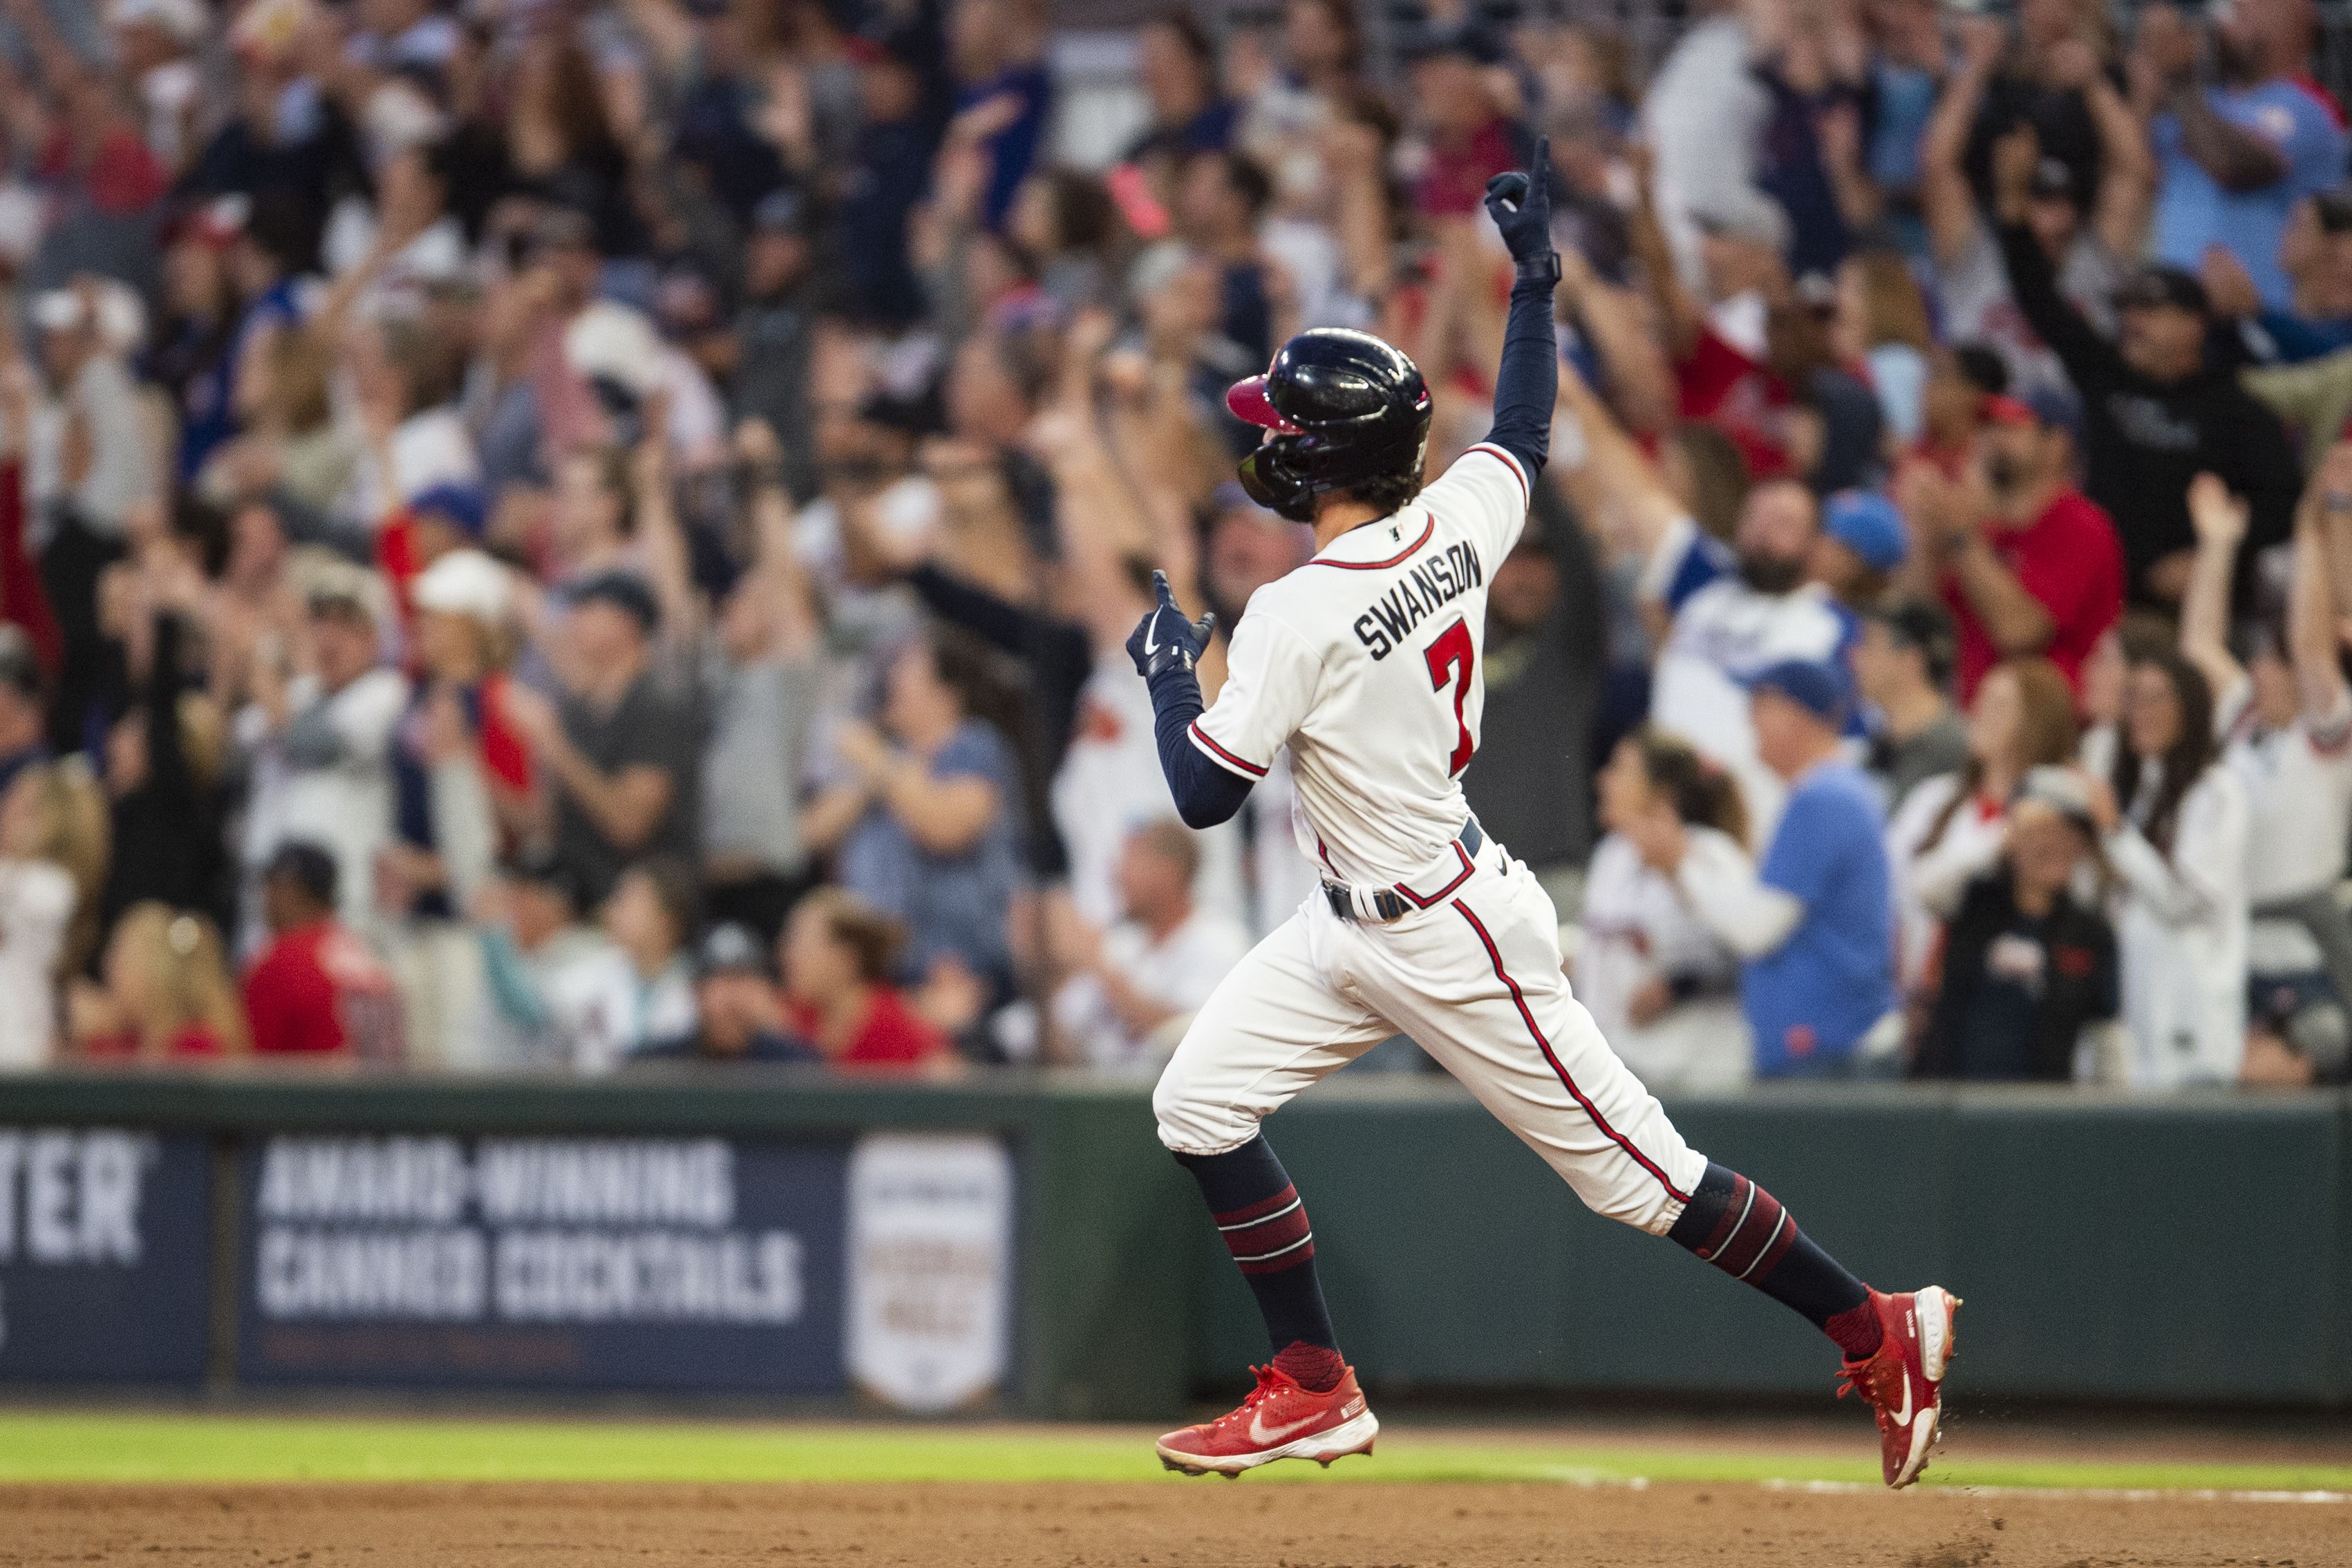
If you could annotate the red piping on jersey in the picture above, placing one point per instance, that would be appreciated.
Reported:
(1468, 866)
(1495, 956)
(1396, 559)
(1222, 755)
(1509, 461)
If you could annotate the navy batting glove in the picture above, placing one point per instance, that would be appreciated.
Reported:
(1164, 640)
(1520, 206)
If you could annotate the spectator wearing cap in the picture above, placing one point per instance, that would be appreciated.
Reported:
(840, 954)
(322, 742)
(1902, 660)
(738, 1014)
(316, 988)
(560, 993)
(2026, 563)
(437, 521)
(2154, 414)
(1862, 541)
(615, 757)
(1137, 985)
(462, 784)
(1813, 925)
(2027, 967)
(2087, 196)
(2236, 154)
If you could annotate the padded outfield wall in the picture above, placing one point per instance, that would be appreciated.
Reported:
(1022, 1244)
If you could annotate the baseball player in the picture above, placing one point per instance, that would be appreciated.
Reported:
(1365, 664)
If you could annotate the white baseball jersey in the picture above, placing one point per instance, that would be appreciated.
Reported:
(1365, 661)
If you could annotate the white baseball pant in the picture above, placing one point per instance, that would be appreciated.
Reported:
(1474, 978)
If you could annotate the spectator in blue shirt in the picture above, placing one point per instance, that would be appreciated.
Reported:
(920, 820)
(1813, 925)
(2236, 156)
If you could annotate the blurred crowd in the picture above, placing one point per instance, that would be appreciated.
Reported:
(556, 533)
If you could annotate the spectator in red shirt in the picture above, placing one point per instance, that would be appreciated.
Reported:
(838, 951)
(2026, 563)
(1470, 141)
(316, 988)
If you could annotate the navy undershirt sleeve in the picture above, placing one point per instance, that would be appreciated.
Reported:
(1527, 384)
(1205, 794)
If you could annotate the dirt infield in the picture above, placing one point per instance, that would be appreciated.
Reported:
(1207, 1524)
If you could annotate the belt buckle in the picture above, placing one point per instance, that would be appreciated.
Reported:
(1342, 904)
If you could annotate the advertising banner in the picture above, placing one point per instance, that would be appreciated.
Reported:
(930, 1269)
(648, 1263)
(105, 1256)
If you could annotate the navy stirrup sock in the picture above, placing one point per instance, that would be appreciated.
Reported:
(1742, 1229)
(1263, 1224)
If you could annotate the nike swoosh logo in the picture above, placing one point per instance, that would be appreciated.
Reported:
(1260, 1433)
(1901, 1416)
(1151, 636)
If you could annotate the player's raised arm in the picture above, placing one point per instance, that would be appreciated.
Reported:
(1526, 384)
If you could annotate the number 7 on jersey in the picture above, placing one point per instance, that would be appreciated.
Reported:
(1453, 657)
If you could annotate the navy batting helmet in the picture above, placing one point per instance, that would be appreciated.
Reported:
(1347, 412)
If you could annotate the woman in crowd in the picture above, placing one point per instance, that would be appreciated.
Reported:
(1662, 989)
(649, 917)
(838, 955)
(167, 992)
(2174, 822)
(52, 850)
(1882, 325)
(1949, 829)
(2028, 965)
(922, 825)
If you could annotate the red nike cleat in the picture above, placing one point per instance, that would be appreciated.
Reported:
(1904, 1378)
(1279, 1420)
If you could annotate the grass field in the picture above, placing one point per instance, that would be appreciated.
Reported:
(47, 1446)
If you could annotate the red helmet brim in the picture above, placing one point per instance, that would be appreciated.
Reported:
(1248, 401)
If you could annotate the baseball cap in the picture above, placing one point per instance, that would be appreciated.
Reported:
(464, 506)
(1869, 525)
(2158, 287)
(343, 590)
(731, 949)
(2043, 407)
(2060, 789)
(624, 591)
(1811, 685)
(466, 582)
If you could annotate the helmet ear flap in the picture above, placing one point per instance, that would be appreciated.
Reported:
(1276, 485)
